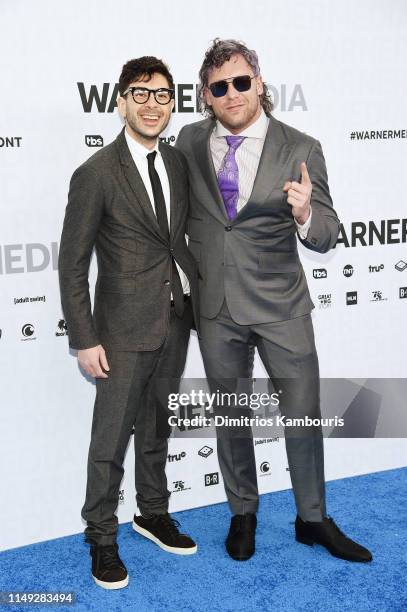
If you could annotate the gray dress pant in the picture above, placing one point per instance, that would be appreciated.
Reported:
(287, 350)
(133, 396)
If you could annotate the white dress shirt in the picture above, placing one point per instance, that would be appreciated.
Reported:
(139, 154)
(247, 158)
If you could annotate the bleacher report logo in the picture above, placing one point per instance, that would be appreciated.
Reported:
(211, 479)
(93, 140)
(402, 293)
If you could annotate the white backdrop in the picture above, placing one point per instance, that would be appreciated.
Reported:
(334, 69)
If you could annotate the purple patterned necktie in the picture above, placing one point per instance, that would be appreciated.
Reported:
(228, 176)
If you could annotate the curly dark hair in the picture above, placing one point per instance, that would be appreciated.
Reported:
(145, 66)
(220, 52)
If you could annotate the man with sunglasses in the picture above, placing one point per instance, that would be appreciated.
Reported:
(130, 202)
(256, 183)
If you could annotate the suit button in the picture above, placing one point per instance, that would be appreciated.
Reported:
(228, 228)
(166, 282)
(171, 250)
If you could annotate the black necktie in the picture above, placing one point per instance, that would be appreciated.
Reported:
(161, 213)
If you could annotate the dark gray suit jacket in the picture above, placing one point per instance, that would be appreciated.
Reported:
(109, 209)
(253, 261)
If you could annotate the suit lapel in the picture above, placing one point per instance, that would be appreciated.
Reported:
(136, 183)
(173, 172)
(205, 163)
(273, 160)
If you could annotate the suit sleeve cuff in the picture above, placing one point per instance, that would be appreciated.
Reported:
(303, 229)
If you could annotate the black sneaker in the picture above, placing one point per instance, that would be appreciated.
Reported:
(163, 530)
(108, 569)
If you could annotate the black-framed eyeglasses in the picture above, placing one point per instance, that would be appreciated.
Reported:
(142, 94)
(240, 83)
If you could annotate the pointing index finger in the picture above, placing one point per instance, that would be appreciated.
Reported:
(305, 179)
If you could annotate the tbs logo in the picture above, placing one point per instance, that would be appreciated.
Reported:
(93, 141)
(319, 273)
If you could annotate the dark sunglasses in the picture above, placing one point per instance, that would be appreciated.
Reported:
(240, 83)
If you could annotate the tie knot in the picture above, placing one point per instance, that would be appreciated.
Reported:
(234, 141)
(151, 157)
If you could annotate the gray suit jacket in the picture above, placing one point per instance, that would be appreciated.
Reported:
(253, 261)
(109, 209)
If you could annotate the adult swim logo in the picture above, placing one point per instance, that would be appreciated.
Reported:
(266, 440)
(28, 332)
(24, 300)
(103, 99)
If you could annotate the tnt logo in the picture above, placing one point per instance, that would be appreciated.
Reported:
(348, 270)
(93, 141)
(403, 292)
(320, 273)
(211, 479)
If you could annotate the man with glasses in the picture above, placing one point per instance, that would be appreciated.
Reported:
(130, 202)
(256, 183)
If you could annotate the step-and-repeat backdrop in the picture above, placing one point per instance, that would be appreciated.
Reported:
(335, 71)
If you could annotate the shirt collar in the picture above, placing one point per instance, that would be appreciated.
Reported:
(258, 129)
(138, 150)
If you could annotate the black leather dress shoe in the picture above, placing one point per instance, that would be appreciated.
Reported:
(328, 534)
(240, 542)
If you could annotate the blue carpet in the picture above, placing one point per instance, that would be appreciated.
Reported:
(283, 575)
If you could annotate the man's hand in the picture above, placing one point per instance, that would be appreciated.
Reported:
(299, 195)
(92, 360)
